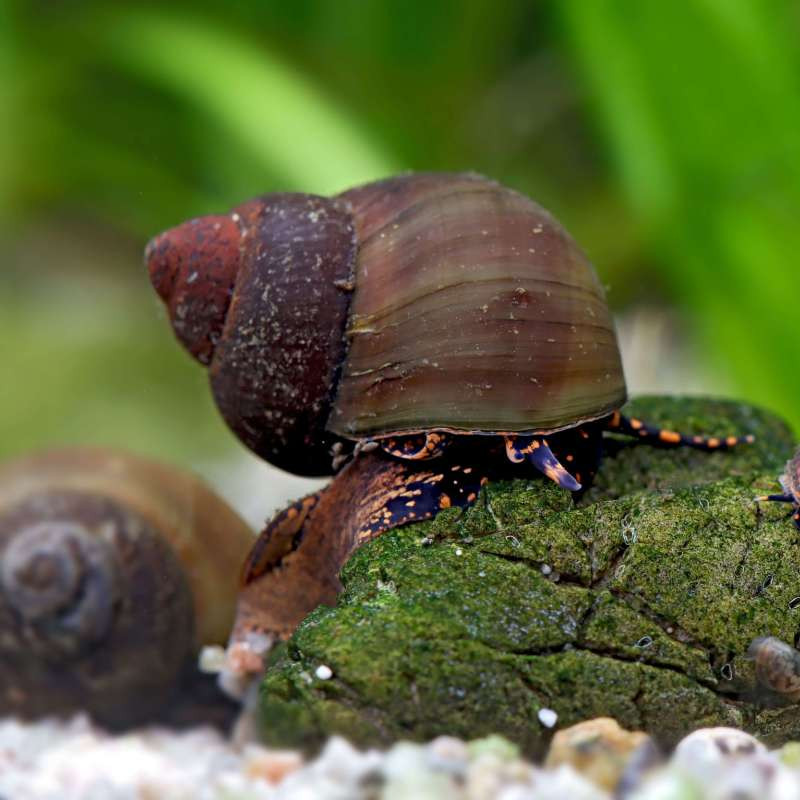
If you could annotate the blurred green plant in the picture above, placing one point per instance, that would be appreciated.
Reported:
(276, 118)
(700, 105)
(663, 135)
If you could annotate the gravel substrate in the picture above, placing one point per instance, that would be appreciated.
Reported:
(75, 760)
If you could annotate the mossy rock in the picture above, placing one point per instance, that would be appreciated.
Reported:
(639, 603)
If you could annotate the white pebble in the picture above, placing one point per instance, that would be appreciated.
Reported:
(324, 672)
(547, 717)
(211, 659)
(713, 746)
(562, 783)
(447, 754)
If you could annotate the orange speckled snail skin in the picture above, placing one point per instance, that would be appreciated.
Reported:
(422, 317)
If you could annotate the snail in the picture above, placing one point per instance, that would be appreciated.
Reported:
(402, 314)
(777, 666)
(411, 317)
(113, 570)
(790, 482)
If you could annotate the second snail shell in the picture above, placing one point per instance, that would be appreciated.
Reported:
(114, 569)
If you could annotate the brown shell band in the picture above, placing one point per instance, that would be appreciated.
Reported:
(282, 344)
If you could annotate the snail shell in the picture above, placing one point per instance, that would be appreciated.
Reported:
(113, 570)
(421, 302)
(777, 666)
(474, 310)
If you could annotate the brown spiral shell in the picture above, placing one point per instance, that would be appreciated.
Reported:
(421, 302)
(113, 570)
(777, 666)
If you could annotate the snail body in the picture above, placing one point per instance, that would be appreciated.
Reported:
(790, 483)
(294, 564)
(403, 314)
(113, 570)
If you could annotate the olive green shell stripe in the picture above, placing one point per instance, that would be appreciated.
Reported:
(478, 411)
(378, 347)
(447, 294)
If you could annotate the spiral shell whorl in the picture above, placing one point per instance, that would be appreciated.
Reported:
(95, 610)
(260, 296)
(193, 268)
(60, 579)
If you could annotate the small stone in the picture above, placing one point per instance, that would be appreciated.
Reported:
(599, 749)
(270, 765)
(563, 783)
(211, 659)
(448, 754)
(408, 776)
(497, 746)
(789, 754)
(707, 749)
(402, 759)
(324, 672)
(547, 717)
(339, 764)
(668, 785)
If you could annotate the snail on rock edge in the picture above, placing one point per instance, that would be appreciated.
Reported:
(790, 482)
(114, 569)
(406, 316)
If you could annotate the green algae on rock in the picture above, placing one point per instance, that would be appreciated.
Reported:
(638, 604)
